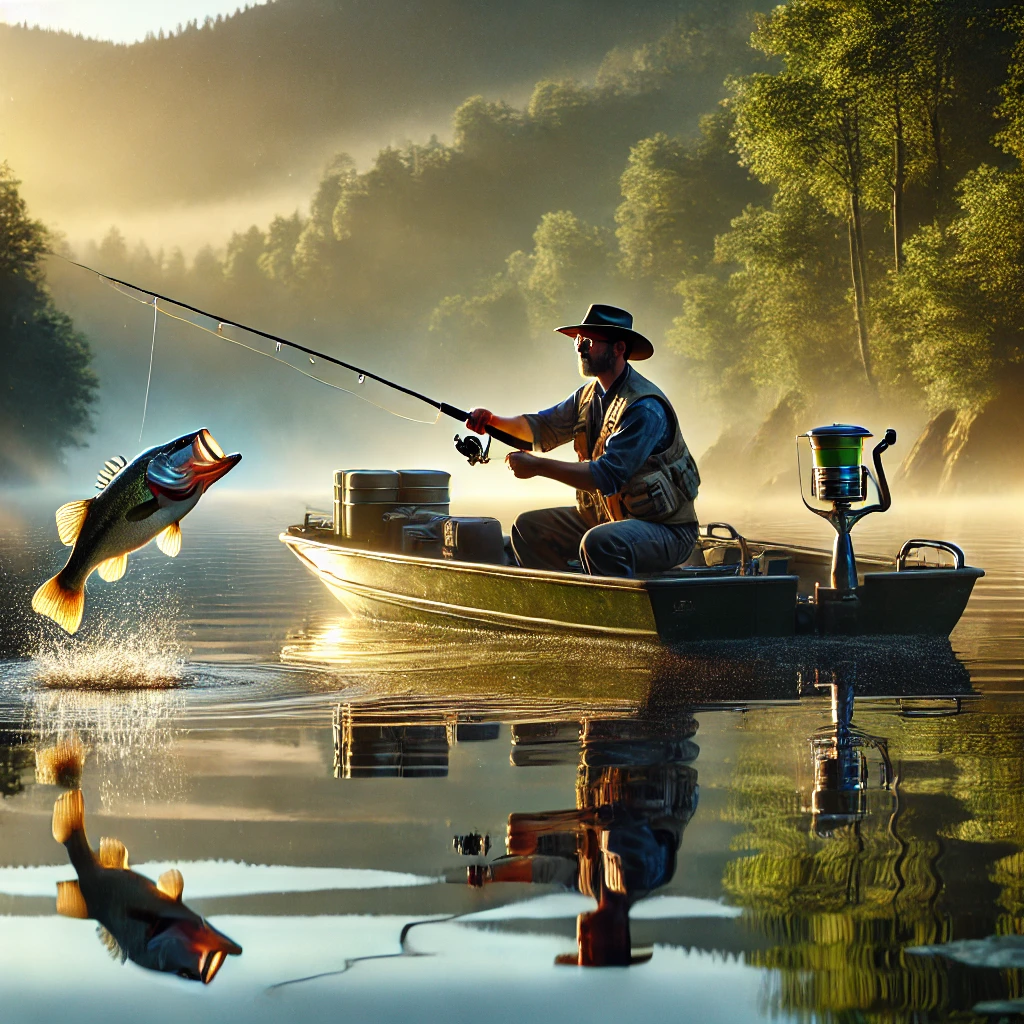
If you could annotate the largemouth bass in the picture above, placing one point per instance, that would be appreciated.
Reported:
(139, 921)
(138, 501)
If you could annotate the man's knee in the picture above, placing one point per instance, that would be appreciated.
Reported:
(605, 552)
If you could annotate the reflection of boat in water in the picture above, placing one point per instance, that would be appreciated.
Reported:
(731, 588)
(394, 658)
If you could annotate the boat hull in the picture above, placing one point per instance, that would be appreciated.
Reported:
(687, 605)
(408, 589)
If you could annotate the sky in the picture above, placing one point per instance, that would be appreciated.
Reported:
(123, 21)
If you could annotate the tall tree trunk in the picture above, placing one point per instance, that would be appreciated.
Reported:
(859, 290)
(898, 185)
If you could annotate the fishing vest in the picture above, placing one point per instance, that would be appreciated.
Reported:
(663, 488)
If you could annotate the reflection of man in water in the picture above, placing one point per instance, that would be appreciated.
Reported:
(619, 844)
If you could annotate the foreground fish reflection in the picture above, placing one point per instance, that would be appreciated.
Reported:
(635, 793)
(139, 921)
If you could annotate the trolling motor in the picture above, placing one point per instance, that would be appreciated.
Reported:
(472, 449)
(839, 480)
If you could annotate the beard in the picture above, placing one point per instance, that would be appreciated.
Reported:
(591, 365)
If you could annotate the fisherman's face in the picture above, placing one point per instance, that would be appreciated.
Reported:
(595, 355)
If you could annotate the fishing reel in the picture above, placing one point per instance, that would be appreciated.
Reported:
(472, 449)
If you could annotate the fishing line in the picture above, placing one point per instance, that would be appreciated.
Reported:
(219, 333)
(362, 375)
(149, 376)
(350, 962)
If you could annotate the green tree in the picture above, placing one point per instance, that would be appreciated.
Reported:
(48, 384)
(808, 129)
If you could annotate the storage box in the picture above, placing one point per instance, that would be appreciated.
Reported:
(474, 539)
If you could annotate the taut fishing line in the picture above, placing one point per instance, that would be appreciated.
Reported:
(336, 373)
(149, 376)
(402, 405)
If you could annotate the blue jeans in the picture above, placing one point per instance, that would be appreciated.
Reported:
(560, 539)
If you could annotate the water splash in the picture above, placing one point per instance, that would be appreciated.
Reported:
(140, 656)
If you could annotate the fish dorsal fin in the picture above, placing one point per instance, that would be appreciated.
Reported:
(113, 568)
(110, 469)
(169, 540)
(69, 520)
(171, 884)
(112, 946)
(113, 854)
(70, 901)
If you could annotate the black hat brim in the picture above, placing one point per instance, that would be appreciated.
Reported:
(641, 347)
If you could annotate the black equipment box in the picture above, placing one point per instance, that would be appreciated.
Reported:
(473, 539)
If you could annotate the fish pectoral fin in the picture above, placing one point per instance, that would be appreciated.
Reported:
(143, 511)
(169, 540)
(70, 901)
(112, 946)
(68, 815)
(113, 568)
(69, 520)
(171, 884)
(60, 603)
(113, 853)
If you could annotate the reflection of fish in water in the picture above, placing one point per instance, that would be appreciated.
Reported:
(140, 921)
(138, 501)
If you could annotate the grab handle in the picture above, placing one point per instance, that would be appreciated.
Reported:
(948, 712)
(937, 545)
(747, 565)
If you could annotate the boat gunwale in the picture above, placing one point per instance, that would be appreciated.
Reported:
(547, 575)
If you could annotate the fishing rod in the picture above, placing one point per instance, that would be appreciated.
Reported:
(469, 446)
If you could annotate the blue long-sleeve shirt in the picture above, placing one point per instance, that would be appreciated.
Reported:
(643, 430)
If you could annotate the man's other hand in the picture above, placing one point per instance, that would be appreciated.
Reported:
(523, 464)
(478, 420)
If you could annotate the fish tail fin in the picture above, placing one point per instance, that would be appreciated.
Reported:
(68, 815)
(60, 603)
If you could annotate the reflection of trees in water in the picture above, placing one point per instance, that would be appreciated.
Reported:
(837, 914)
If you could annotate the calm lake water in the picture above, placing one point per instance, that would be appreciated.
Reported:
(328, 790)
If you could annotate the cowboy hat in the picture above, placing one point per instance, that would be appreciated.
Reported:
(611, 324)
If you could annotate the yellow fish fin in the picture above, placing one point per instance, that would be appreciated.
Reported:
(60, 603)
(171, 884)
(113, 568)
(113, 854)
(169, 540)
(70, 901)
(69, 520)
(68, 815)
(112, 946)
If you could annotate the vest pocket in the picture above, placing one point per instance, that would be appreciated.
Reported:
(653, 500)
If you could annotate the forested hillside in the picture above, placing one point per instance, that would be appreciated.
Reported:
(240, 103)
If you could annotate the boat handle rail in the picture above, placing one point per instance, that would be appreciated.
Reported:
(938, 545)
(932, 712)
(733, 534)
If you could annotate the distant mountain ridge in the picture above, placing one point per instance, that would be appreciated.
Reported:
(239, 104)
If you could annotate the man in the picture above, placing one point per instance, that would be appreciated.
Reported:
(635, 479)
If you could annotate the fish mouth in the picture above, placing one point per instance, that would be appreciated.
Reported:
(193, 461)
(209, 964)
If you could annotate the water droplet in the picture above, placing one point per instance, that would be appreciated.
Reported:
(220, 328)
(277, 347)
(310, 360)
(362, 377)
